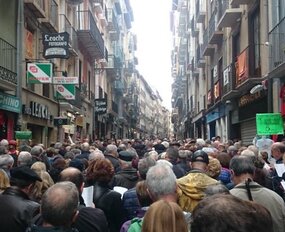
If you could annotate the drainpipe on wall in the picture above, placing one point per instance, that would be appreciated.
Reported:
(19, 62)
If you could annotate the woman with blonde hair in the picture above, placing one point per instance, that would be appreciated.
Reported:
(40, 187)
(4, 181)
(164, 216)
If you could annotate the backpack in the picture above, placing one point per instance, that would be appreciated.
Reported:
(136, 225)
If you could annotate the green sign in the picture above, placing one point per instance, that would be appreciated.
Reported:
(9, 103)
(39, 73)
(66, 92)
(269, 124)
(23, 134)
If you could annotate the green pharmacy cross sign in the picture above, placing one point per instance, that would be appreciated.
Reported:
(39, 73)
(269, 124)
(65, 92)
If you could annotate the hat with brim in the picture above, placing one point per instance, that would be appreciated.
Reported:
(24, 173)
(200, 156)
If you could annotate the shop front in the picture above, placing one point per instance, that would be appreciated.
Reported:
(216, 123)
(38, 118)
(9, 110)
(249, 106)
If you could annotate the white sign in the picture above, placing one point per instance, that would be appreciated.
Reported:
(65, 80)
(226, 76)
(215, 71)
(87, 195)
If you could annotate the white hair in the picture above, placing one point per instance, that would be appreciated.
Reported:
(97, 154)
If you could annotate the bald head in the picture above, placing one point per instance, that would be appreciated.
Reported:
(73, 175)
(59, 204)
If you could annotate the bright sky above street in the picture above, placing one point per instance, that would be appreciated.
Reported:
(151, 24)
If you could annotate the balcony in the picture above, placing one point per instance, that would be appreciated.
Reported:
(240, 2)
(248, 67)
(182, 57)
(119, 54)
(98, 6)
(73, 40)
(128, 20)
(200, 58)
(89, 35)
(207, 49)
(8, 66)
(194, 68)
(112, 67)
(194, 28)
(113, 26)
(118, 7)
(229, 16)
(118, 86)
(229, 83)
(36, 6)
(115, 107)
(182, 25)
(51, 20)
(215, 35)
(200, 11)
(277, 42)
(103, 20)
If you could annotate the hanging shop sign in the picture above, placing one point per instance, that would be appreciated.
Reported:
(65, 80)
(39, 73)
(269, 124)
(59, 121)
(66, 92)
(100, 106)
(56, 45)
(9, 103)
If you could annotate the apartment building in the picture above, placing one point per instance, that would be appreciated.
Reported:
(68, 70)
(231, 68)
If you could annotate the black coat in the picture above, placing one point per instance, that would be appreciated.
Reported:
(110, 202)
(16, 210)
(126, 178)
(115, 162)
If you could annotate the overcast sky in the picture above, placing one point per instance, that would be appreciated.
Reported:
(151, 24)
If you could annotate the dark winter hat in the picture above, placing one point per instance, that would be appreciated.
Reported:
(200, 156)
(77, 163)
(126, 155)
(24, 173)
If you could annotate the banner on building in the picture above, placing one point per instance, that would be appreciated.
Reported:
(269, 124)
(39, 73)
(56, 45)
(66, 92)
(100, 106)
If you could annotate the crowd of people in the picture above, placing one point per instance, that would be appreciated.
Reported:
(142, 185)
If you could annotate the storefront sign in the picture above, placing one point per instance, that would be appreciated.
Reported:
(100, 106)
(37, 110)
(269, 124)
(9, 103)
(56, 45)
(249, 98)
